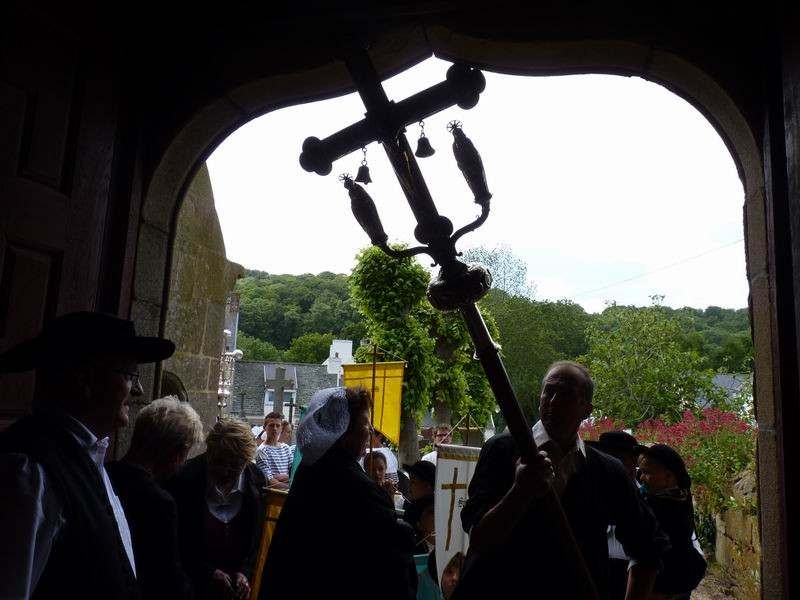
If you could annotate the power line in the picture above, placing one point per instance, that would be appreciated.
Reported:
(675, 264)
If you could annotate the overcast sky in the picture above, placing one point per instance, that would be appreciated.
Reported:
(609, 188)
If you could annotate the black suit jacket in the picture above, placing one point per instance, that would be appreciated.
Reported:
(188, 488)
(153, 521)
(599, 494)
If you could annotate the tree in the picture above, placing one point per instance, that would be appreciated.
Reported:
(390, 293)
(309, 348)
(534, 335)
(640, 368)
(480, 402)
(721, 336)
(509, 272)
(256, 349)
(281, 308)
(461, 385)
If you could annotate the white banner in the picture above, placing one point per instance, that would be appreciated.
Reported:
(454, 468)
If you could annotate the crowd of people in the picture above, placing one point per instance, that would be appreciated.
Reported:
(157, 524)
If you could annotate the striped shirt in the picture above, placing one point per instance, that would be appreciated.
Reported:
(274, 460)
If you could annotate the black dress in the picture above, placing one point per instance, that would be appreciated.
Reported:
(153, 521)
(598, 494)
(188, 488)
(684, 566)
(338, 536)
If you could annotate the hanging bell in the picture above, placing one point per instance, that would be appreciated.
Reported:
(363, 175)
(424, 148)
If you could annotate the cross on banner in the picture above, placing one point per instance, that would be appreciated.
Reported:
(452, 487)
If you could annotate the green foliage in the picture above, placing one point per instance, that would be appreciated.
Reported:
(641, 370)
(390, 293)
(256, 349)
(534, 335)
(451, 339)
(461, 382)
(309, 348)
(436, 345)
(509, 272)
(281, 308)
(720, 335)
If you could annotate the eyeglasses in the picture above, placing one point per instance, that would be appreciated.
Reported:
(133, 376)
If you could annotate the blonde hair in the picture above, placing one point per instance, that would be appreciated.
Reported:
(165, 424)
(232, 438)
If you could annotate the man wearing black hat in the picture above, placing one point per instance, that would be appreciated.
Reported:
(64, 530)
(667, 490)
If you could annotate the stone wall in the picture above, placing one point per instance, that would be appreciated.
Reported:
(738, 547)
(201, 279)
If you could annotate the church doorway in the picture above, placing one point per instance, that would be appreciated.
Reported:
(184, 159)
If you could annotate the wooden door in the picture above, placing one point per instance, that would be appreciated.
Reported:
(57, 126)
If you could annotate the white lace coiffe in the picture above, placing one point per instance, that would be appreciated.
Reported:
(324, 423)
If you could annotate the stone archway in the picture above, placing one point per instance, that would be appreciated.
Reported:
(209, 126)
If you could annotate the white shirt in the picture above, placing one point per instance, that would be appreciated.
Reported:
(225, 506)
(565, 465)
(99, 448)
(430, 457)
(615, 549)
(32, 512)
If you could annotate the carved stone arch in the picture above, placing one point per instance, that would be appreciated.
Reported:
(232, 108)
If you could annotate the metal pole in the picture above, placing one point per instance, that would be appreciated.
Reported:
(374, 366)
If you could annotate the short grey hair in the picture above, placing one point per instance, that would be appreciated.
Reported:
(165, 424)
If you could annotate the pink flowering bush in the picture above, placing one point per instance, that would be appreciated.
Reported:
(592, 430)
(716, 446)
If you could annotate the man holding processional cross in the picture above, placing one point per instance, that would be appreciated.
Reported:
(510, 548)
(518, 523)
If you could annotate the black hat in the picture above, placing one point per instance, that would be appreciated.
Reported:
(424, 470)
(670, 459)
(614, 440)
(415, 509)
(83, 334)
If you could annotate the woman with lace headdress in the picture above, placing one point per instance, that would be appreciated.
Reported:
(335, 513)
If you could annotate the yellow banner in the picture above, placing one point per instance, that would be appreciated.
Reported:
(387, 395)
(275, 501)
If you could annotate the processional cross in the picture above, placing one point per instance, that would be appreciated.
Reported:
(457, 286)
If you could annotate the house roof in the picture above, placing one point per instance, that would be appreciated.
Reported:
(249, 378)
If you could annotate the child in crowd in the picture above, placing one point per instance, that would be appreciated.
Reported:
(375, 467)
(666, 486)
(376, 444)
(451, 575)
